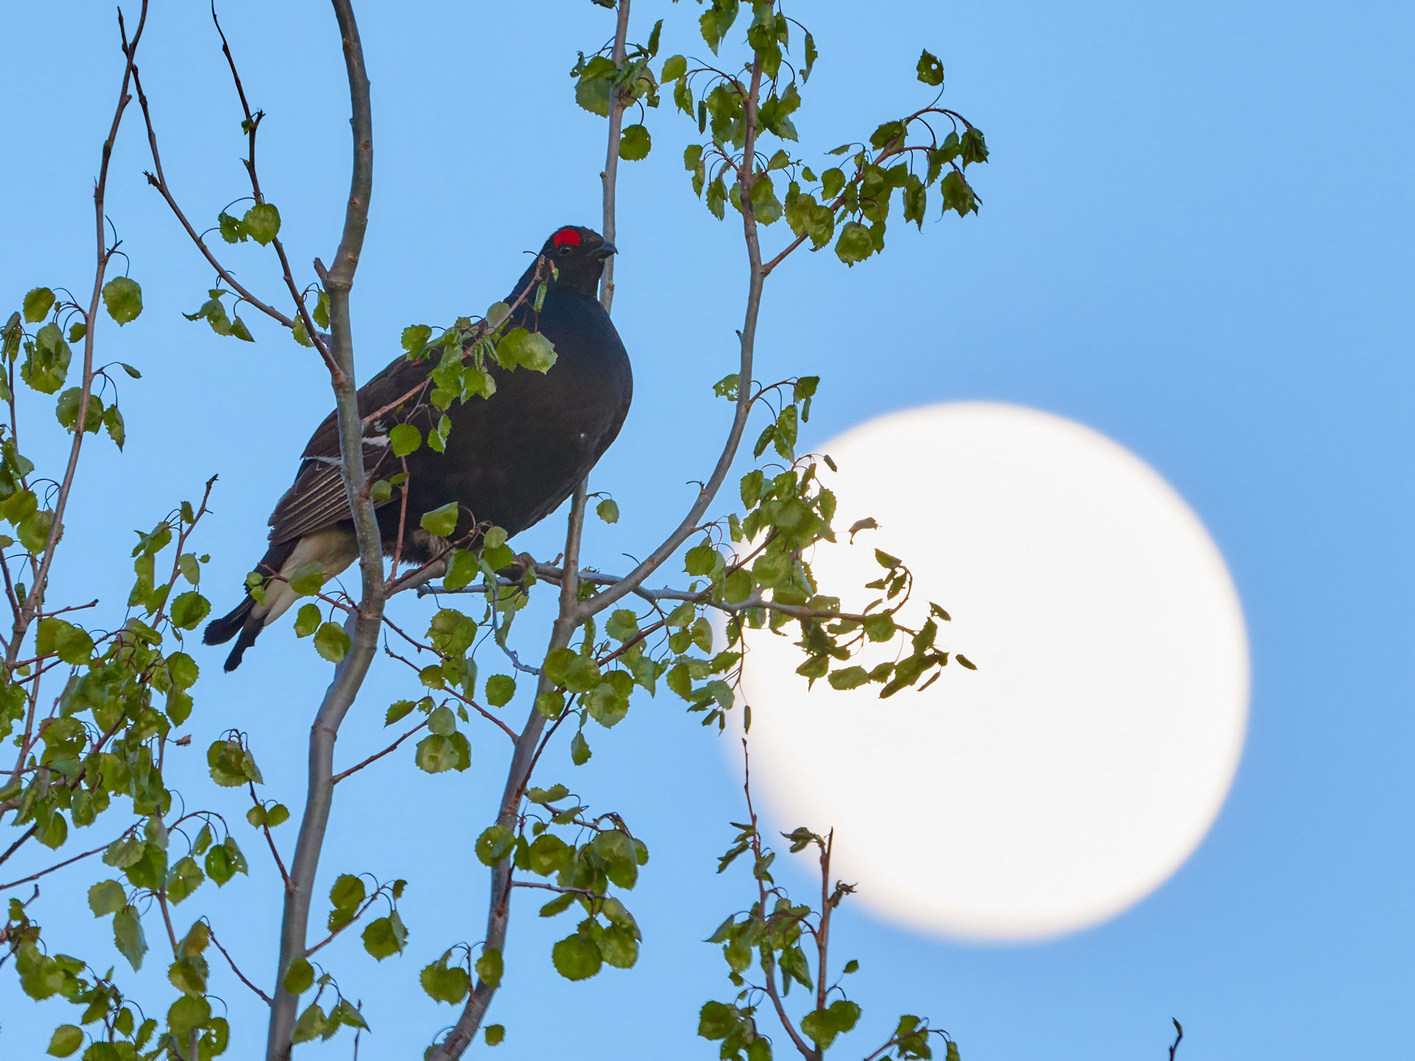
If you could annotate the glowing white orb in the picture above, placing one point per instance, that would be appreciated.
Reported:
(1083, 761)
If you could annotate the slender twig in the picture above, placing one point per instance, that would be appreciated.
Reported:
(822, 934)
(16, 846)
(1174, 1047)
(352, 921)
(771, 989)
(377, 755)
(365, 623)
(35, 600)
(746, 177)
(159, 181)
(252, 123)
(270, 840)
(231, 962)
(557, 888)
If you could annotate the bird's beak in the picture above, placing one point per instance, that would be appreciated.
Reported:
(605, 250)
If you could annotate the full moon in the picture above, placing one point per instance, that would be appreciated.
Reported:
(1084, 760)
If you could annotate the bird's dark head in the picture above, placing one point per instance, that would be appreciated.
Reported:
(578, 255)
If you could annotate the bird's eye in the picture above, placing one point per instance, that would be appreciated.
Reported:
(564, 250)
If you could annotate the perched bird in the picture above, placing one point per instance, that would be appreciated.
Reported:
(510, 458)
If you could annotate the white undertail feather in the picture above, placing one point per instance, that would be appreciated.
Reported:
(333, 549)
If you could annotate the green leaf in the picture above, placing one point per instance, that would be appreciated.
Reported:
(415, 337)
(183, 670)
(500, 688)
(385, 936)
(346, 896)
(634, 143)
(331, 642)
(67, 410)
(113, 421)
(312, 1024)
(460, 570)
(674, 67)
(495, 1034)
(494, 845)
(299, 978)
(188, 610)
(122, 297)
(579, 750)
(106, 897)
(618, 947)
(972, 147)
(437, 754)
(444, 984)
(186, 877)
(307, 619)
(398, 709)
(716, 1020)
(404, 439)
(66, 1039)
(607, 510)
(451, 632)
(440, 521)
(187, 1014)
(490, 966)
(37, 304)
(128, 936)
(535, 352)
(262, 223)
(930, 70)
(716, 21)
(230, 228)
(594, 89)
(855, 243)
(849, 678)
(577, 957)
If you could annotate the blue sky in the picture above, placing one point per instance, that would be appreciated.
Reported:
(1195, 239)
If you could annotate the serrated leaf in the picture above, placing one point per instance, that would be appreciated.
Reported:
(262, 223)
(331, 642)
(299, 978)
(490, 966)
(385, 936)
(634, 143)
(122, 297)
(404, 439)
(929, 69)
(128, 936)
(440, 521)
(66, 1039)
(577, 957)
(106, 897)
(37, 304)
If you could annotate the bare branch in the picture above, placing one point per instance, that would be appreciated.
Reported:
(364, 624)
(377, 755)
(231, 962)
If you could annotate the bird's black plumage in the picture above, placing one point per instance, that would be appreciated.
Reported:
(510, 459)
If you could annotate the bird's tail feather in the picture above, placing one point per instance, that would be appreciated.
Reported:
(219, 631)
(240, 624)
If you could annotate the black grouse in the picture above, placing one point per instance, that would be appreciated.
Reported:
(510, 459)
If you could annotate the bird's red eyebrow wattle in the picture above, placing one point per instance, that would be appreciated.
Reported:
(566, 237)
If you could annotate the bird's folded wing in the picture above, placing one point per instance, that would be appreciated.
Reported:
(317, 498)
